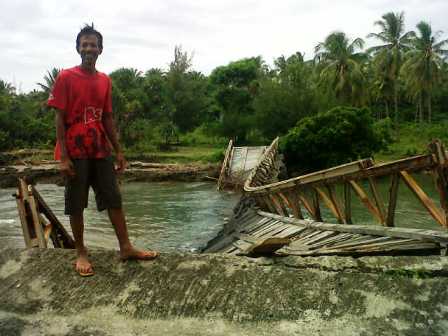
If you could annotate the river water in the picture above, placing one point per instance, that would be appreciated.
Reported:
(185, 216)
(161, 215)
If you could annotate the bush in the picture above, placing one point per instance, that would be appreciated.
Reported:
(335, 137)
(206, 134)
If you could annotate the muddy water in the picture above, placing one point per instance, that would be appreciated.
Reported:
(184, 216)
(166, 215)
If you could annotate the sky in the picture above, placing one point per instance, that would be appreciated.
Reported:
(37, 35)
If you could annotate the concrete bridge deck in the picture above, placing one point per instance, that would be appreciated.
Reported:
(213, 294)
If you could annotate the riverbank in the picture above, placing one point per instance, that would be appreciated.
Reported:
(212, 294)
(48, 172)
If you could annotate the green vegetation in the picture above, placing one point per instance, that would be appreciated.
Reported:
(331, 138)
(396, 91)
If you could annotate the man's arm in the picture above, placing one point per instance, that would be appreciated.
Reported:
(66, 166)
(109, 127)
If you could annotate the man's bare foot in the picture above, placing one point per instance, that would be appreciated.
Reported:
(135, 254)
(83, 266)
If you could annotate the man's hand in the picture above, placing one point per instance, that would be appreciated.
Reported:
(121, 163)
(66, 167)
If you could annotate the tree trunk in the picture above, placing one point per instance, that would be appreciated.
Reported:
(387, 108)
(429, 108)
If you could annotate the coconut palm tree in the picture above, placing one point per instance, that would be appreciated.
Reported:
(49, 79)
(421, 70)
(340, 66)
(388, 55)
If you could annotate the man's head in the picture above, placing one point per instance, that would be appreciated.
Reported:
(89, 44)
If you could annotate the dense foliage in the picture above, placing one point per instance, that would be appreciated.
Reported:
(403, 78)
(331, 138)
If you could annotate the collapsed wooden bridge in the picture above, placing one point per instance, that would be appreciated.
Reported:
(287, 216)
(238, 164)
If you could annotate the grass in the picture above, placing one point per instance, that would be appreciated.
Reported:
(180, 154)
(413, 139)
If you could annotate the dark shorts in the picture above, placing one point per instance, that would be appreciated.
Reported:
(98, 173)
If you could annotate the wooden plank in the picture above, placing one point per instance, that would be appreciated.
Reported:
(423, 198)
(351, 172)
(267, 246)
(319, 176)
(393, 195)
(366, 200)
(421, 234)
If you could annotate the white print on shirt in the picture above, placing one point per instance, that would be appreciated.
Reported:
(92, 114)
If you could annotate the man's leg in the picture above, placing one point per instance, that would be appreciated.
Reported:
(127, 251)
(83, 265)
(108, 196)
(76, 196)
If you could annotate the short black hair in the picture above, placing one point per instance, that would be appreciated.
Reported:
(89, 30)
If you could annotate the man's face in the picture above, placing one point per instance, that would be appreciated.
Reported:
(89, 49)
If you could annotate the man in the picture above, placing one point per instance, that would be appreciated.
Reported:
(84, 128)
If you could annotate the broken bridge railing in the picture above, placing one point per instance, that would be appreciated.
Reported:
(308, 192)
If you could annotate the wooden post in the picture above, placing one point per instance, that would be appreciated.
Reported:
(36, 221)
(316, 206)
(378, 201)
(224, 165)
(347, 203)
(441, 176)
(393, 195)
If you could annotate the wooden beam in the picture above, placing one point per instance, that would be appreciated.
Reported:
(308, 205)
(441, 176)
(366, 200)
(347, 203)
(330, 202)
(278, 206)
(293, 203)
(316, 206)
(377, 197)
(423, 198)
(393, 195)
(60, 237)
(353, 171)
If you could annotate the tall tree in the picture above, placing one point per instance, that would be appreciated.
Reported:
(388, 55)
(422, 68)
(235, 86)
(339, 65)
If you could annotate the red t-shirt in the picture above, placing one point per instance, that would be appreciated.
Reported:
(84, 97)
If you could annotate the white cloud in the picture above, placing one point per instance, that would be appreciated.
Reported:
(38, 35)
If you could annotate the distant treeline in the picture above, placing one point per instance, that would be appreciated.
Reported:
(404, 77)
